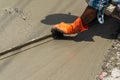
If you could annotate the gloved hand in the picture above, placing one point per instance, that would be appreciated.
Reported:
(75, 27)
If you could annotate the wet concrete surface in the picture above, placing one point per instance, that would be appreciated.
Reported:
(15, 30)
(76, 57)
(56, 60)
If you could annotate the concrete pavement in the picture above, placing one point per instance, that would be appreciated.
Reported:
(76, 57)
(15, 30)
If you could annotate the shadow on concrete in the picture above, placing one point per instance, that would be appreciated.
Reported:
(108, 30)
(57, 18)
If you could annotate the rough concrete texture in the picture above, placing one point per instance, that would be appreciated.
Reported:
(111, 66)
(76, 57)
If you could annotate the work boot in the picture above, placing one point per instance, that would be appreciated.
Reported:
(75, 27)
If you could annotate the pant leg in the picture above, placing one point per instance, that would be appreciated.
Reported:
(97, 3)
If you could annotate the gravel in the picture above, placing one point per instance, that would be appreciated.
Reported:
(111, 63)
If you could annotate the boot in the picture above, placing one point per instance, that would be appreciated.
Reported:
(75, 27)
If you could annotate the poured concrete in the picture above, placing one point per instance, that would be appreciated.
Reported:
(33, 19)
(56, 60)
(77, 57)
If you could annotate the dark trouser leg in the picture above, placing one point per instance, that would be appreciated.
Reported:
(88, 15)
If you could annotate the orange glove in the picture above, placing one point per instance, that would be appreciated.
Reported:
(75, 27)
